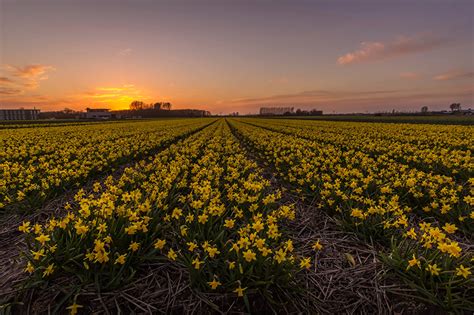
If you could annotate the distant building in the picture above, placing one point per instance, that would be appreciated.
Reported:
(275, 110)
(61, 114)
(466, 111)
(19, 114)
(97, 113)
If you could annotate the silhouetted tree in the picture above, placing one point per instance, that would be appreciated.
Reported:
(455, 107)
(424, 109)
(137, 105)
(166, 106)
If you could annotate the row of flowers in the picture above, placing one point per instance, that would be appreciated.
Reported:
(444, 150)
(199, 203)
(424, 219)
(37, 163)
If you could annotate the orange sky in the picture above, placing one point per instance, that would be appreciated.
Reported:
(226, 56)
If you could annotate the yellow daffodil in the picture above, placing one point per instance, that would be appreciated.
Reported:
(134, 246)
(159, 244)
(49, 270)
(29, 267)
(214, 284)
(25, 227)
(249, 255)
(171, 254)
(197, 263)
(463, 271)
(305, 263)
(450, 228)
(433, 269)
(414, 262)
(121, 259)
(229, 223)
(191, 246)
(317, 245)
(240, 291)
(73, 309)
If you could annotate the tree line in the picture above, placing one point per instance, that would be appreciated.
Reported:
(139, 105)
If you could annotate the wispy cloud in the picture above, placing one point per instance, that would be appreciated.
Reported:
(20, 79)
(373, 51)
(19, 83)
(34, 71)
(5, 80)
(454, 75)
(9, 91)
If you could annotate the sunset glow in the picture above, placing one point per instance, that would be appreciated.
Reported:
(227, 56)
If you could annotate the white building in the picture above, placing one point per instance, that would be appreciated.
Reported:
(275, 110)
(97, 113)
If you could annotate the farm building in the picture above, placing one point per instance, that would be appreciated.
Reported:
(97, 113)
(19, 114)
(275, 110)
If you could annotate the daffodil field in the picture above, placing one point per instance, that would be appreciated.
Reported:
(218, 199)
(39, 162)
(409, 187)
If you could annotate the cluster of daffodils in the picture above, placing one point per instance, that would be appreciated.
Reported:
(199, 203)
(38, 162)
(383, 181)
(444, 150)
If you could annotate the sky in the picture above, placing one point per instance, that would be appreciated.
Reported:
(237, 56)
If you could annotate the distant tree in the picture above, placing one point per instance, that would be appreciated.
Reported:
(68, 111)
(166, 106)
(161, 106)
(455, 107)
(424, 109)
(137, 105)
